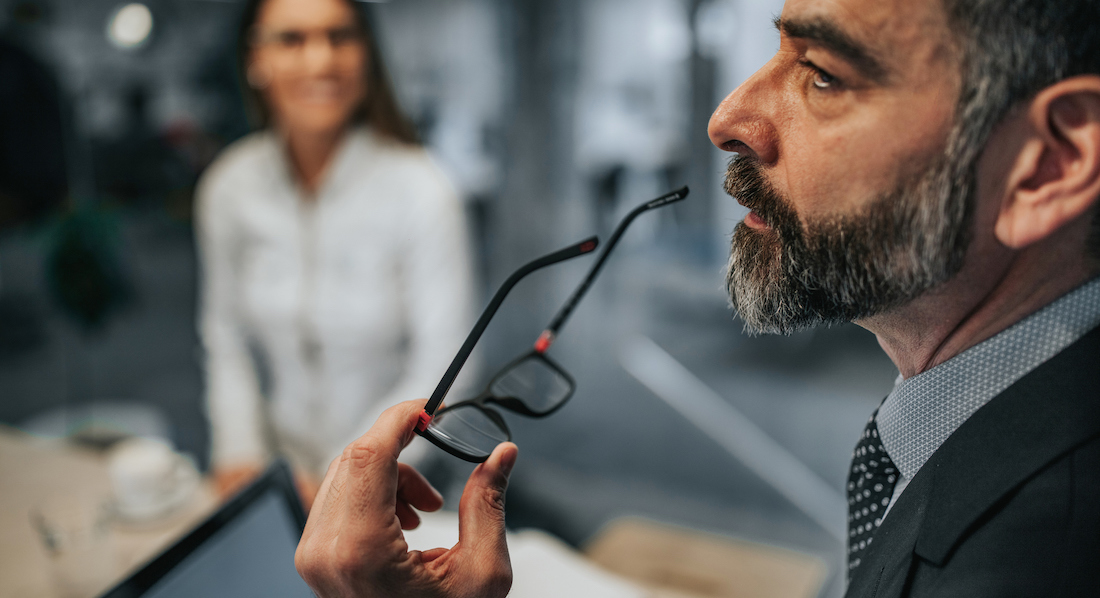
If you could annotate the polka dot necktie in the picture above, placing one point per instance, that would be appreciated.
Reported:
(870, 485)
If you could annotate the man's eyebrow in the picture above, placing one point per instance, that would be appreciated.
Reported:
(836, 40)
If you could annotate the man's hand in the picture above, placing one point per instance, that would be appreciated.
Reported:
(307, 486)
(353, 543)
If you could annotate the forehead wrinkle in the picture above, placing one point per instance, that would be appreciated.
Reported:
(829, 35)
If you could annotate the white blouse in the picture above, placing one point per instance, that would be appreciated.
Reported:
(341, 306)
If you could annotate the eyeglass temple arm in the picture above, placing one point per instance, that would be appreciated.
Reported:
(586, 246)
(547, 337)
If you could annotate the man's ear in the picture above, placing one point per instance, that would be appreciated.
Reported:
(1056, 176)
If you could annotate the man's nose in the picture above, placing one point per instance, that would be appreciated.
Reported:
(744, 122)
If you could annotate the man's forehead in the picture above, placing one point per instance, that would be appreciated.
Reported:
(889, 28)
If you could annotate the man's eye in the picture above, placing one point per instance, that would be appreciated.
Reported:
(821, 78)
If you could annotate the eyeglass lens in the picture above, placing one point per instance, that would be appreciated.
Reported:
(535, 382)
(468, 429)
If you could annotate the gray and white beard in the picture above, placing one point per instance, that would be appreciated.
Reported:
(843, 268)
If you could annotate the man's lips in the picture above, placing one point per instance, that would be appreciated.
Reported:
(755, 221)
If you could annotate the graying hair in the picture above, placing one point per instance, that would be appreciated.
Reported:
(1012, 50)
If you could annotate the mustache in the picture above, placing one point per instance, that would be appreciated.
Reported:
(746, 183)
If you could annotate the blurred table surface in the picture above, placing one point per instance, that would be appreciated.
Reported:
(630, 559)
(33, 470)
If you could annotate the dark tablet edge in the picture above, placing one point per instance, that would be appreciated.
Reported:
(277, 475)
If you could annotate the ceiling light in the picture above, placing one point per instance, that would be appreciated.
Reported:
(130, 26)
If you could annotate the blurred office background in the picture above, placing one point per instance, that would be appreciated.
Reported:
(553, 118)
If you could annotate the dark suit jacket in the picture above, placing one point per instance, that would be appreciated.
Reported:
(1010, 504)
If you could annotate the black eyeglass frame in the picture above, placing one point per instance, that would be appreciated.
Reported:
(510, 403)
(578, 249)
(545, 340)
(485, 401)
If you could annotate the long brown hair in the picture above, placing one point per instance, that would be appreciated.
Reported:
(379, 110)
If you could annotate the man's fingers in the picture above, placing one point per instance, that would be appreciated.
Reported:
(415, 490)
(407, 515)
(481, 538)
(324, 501)
(371, 461)
(322, 492)
(432, 554)
(481, 512)
(309, 558)
(395, 427)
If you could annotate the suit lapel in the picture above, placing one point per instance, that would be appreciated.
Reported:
(1033, 422)
(1038, 419)
(885, 567)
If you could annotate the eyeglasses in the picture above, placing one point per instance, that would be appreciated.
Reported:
(531, 385)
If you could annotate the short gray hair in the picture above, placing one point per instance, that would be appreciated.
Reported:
(1012, 50)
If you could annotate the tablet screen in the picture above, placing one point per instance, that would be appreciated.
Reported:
(251, 556)
(244, 550)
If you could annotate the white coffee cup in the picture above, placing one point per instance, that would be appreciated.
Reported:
(149, 479)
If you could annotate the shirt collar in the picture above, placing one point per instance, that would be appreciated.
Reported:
(355, 153)
(923, 411)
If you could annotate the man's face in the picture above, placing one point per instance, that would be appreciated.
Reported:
(842, 140)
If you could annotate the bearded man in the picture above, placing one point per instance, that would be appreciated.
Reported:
(930, 170)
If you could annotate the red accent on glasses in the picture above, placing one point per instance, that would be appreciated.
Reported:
(425, 419)
(545, 340)
(589, 246)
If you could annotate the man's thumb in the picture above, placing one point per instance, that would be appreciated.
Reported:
(481, 512)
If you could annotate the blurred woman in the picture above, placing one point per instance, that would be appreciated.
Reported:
(336, 276)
